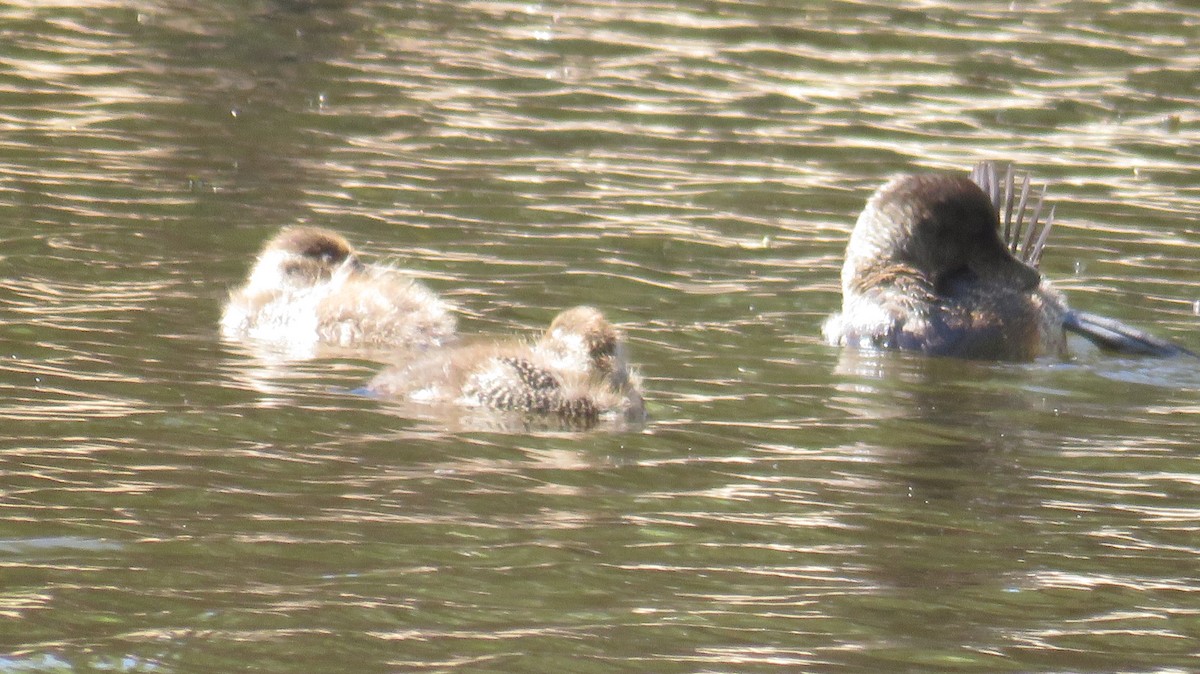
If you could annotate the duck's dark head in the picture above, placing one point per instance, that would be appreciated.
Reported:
(302, 256)
(943, 228)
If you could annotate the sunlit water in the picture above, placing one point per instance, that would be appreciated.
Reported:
(174, 503)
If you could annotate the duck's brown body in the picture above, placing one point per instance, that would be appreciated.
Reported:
(929, 268)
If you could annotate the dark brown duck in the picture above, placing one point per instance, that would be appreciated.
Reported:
(947, 265)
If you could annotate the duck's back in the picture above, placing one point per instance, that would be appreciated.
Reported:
(998, 323)
(964, 320)
(383, 308)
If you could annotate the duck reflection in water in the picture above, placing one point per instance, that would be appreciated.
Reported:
(309, 287)
(575, 372)
(947, 265)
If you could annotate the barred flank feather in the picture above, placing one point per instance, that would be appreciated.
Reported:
(531, 375)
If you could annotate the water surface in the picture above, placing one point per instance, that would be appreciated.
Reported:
(173, 503)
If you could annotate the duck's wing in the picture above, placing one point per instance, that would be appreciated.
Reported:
(1018, 203)
(1114, 335)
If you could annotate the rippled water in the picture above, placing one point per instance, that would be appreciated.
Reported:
(172, 503)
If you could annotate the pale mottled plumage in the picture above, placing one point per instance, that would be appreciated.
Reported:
(576, 370)
(309, 287)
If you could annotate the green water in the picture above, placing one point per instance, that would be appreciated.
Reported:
(172, 503)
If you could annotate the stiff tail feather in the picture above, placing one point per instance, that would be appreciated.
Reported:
(1019, 206)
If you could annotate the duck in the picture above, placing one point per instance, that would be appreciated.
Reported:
(576, 371)
(948, 265)
(309, 287)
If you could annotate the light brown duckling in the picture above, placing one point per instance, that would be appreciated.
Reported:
(577, 370)
(309, 287)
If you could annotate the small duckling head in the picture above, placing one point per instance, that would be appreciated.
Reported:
(583, 339)
(942, 227)
(300, 257)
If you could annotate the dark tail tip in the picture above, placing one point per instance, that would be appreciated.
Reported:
(1114, 335)
(1018, 204)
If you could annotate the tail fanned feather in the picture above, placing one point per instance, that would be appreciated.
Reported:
(1018, 206)
(1023, 232)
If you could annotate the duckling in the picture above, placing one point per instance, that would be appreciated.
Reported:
(576, 370)
(309, 286)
